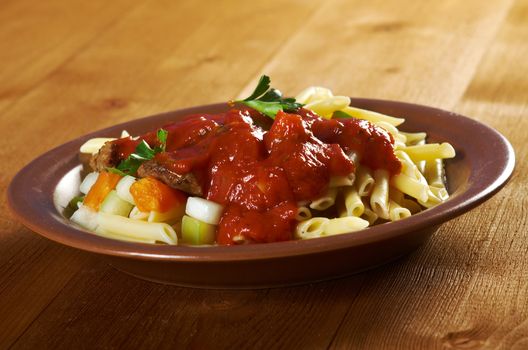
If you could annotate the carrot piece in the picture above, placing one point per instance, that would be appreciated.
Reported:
(105, 183)
(153, 195)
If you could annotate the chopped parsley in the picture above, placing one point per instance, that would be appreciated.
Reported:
(268, 100)
(141, 154)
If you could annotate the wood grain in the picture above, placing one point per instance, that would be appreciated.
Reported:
(97, 64)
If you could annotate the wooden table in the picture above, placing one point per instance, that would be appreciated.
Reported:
(71, 68)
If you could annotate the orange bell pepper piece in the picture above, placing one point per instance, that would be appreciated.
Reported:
(105, 183)
(153, 195)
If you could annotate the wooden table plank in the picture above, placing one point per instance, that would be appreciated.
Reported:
(37, 37)
(389, 50)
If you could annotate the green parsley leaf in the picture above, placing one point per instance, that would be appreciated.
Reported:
(141, 154)
(262, 86)
(268, 108)
(269, 100)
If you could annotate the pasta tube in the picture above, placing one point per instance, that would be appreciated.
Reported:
(303, 213)
(326, 201)
(311, 228)
(353, 204)
(410, 186)
(344, 225)
(370, 216)
(434, 172)
(430, 151)
(326, 107)
(135, 229)
(371, 116)
(379, 200)
(414, 137)
(364, 181)
(397, 212)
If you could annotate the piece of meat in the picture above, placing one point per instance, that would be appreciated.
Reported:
(107, 157)
(186, 183)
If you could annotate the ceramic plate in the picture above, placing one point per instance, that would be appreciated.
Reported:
(484, 163)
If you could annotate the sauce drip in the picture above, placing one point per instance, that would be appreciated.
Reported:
(259, 169)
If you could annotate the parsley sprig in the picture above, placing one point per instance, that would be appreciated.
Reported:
(141, 154)
(268, 100)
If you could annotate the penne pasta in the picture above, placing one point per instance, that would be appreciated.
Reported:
(370, 216)
(371, 116)
(420, 164)
(136, 229)
(326, 107)
(107, 234)
(313, 93)
(303, 213)
(344, 225)
(364, 181)
(397, 212)
(410, 186)
(353, 204)
(434, 172)
(379, 199)
(430, 151)
(311, 228)
(408, 167)
(326, 201)
(414, 138)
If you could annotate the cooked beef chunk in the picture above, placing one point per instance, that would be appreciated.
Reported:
(186, 183)
(107, 157)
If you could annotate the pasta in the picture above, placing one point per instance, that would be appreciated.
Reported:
(363, 191)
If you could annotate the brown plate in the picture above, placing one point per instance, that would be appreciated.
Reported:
(484, 163)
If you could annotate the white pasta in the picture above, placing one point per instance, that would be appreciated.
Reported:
(379, 200)
(136, 229)
(397, 212)
(410, 186)
(311, 228)
(344, 225)
(430, 151)
(325, 201)
(371, 116)
(303, 213)
(353, 204)
(364, 181)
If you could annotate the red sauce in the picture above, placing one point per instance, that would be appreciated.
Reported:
(259, 169)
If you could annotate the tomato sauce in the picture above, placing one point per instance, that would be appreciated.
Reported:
(259, 169)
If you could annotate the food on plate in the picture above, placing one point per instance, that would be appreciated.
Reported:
(269, 169)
